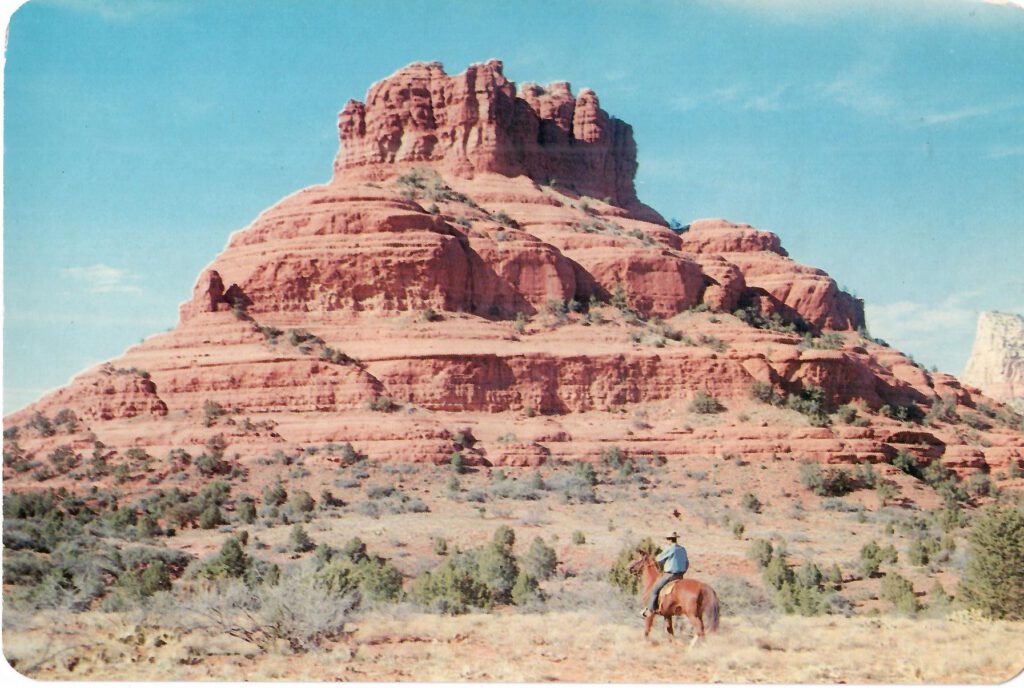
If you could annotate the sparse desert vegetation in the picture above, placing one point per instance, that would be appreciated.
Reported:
(416, 422)
(515, 574)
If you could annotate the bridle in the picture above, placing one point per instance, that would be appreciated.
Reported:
(638, 565)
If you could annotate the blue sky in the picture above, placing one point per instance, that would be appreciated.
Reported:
(883, 141)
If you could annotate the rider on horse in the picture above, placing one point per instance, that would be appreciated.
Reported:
(676, 563)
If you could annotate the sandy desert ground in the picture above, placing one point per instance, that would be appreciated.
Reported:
(585, 629)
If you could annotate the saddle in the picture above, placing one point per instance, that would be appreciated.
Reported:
(667, 590)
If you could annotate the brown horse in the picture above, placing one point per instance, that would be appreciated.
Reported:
(685, 597)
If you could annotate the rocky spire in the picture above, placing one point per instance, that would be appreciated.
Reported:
(996, 365)
(476, 122)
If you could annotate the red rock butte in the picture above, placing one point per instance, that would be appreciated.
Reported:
(476, 122)
(480, 259)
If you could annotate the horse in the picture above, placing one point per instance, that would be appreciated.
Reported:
(684, 597)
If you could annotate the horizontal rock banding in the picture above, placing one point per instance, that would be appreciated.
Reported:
(480, 259)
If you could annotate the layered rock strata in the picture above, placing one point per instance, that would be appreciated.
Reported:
(444, 279)
(476, 122)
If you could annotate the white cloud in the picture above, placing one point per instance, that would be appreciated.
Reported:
(685, 103)
(793, 10)
(942, 331)
(115, 319)
(121, 11)
(860, 88)
(617, 74)
(1005, 152)
(1019, 4)
(771, 101)
(858, 96)
(735, 94)
(801, 11)
(904, 319)
(969, 112)
(103, 279)
(856, 87)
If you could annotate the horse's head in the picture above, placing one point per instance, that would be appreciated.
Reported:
(637, 565)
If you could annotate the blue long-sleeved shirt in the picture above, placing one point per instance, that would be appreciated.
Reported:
(675, 559)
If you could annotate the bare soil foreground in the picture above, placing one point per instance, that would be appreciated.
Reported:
(578, 626)
(556, 646)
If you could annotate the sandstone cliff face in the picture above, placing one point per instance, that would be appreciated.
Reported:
(443, 270)
(775, 283)
(475, 122)
(102, 394)
(996, 365)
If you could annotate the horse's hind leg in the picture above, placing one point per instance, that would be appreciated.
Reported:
(698, 629)
(670, 628)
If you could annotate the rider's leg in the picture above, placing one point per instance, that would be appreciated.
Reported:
(652, 604)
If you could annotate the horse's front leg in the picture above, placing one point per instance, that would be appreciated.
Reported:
(670, 629)
(647, 625)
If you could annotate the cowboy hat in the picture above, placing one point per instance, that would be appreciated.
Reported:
(673, 536)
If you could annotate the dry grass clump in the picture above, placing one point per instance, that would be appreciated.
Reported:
(60, 621)
(587, 645)
(580, 646)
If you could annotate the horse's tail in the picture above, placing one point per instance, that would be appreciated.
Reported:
(711, 608)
